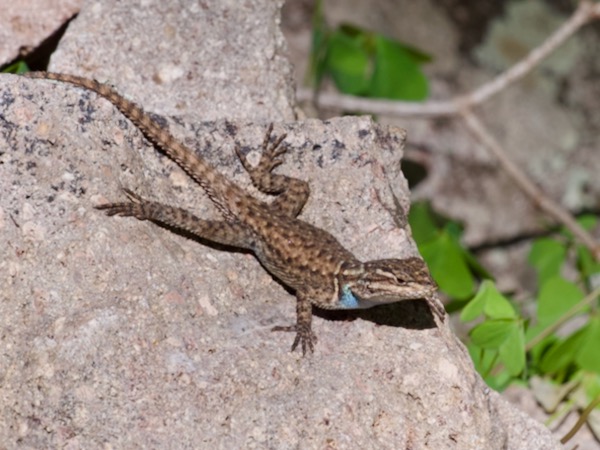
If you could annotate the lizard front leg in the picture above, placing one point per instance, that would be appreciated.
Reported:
(222, 232)
(303, 328)
(292, 193)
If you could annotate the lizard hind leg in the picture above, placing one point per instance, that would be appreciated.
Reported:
(292, 193)
(133, 208)
(303, 327)
(220, 231)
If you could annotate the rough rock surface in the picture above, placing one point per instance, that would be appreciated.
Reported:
(217, 59)
(117, 333)
(26, 23)
(120, 332)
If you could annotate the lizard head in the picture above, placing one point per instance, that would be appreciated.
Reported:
(362, 285)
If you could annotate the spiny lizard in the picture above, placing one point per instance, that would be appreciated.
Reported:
(307, 259)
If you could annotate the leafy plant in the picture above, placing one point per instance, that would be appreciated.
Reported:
(561, 363)
(454, 269)
(18, 67)
(365, 63)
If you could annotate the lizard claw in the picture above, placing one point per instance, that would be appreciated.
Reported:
(304, 336)
(135, 206)
(437, 307)
(270, 157)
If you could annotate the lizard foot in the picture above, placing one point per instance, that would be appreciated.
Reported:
(136, 207)
(437, 307)
(304, 336)
(269, 159)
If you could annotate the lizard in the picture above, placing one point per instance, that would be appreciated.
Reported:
(303, 257)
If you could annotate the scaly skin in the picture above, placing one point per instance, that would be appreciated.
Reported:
(306, 258)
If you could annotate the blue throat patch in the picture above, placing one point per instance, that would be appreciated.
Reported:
(348, 300)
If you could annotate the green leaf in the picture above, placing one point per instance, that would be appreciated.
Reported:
(474, 308)
(497, 305)
(422, 223)
(512, 351)
(507, 338)
(484, 361)
(588, 221)
(419, 56)
(18, 67)
(444, 257)
(547, 256)
(586, 263)
(396, 74)
(538, 351)
(491, 334)
(490, 301)
(562, 353)
(348, 62)
(591, 384)
(368, 64)
(588, 357)
(454, 229)
(449, 262)
(556, 297)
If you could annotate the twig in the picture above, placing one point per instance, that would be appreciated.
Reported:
(462, 106)
(575, 309)
(582, 419)
(538, 197)
(586, 12)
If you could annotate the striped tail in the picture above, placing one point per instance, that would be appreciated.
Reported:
(218, 188)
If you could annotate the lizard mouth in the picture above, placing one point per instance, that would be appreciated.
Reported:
(409, 291)
(376, 296)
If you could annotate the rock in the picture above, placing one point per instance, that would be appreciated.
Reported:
(119, 333)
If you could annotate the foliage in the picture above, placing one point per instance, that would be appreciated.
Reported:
(18, 67)
(365, 63)
(505, 345)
